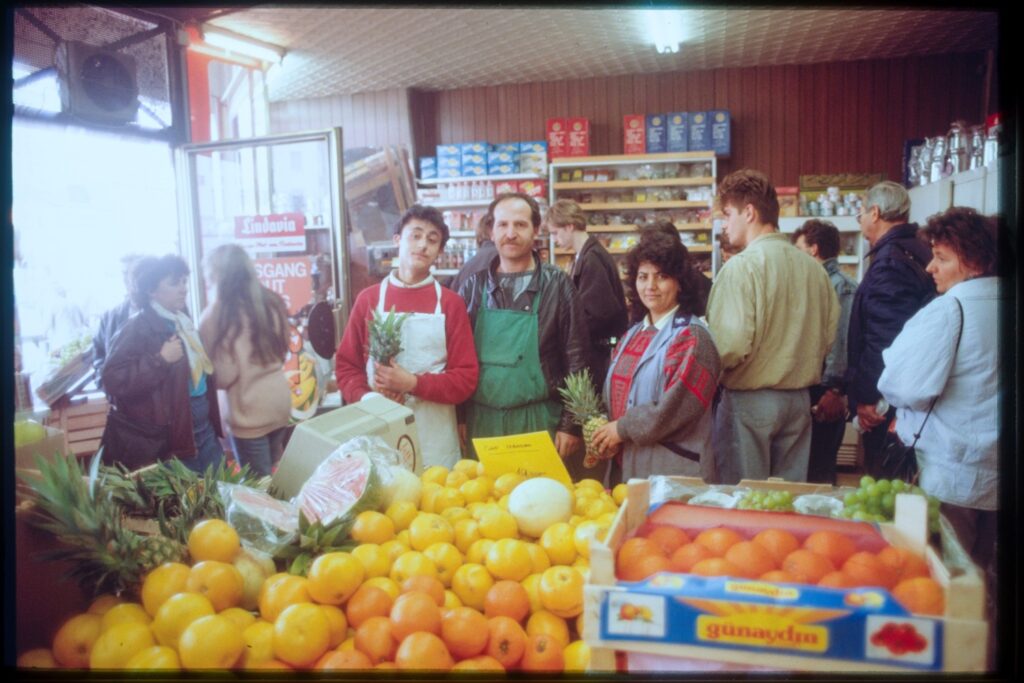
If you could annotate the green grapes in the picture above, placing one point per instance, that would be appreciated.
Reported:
(776, 501)
(875, 501)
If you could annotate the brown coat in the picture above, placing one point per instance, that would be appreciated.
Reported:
(145, 387)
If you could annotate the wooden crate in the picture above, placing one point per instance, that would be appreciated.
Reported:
(82, 420)
(965, 632)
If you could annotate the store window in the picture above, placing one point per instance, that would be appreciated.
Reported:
(82, 200)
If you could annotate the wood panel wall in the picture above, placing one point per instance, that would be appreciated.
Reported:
(371, 119)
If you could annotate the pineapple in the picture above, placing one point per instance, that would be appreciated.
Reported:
(583, 403)
(385, 336)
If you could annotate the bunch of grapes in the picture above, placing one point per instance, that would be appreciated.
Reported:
(875, 501)
(776, 501)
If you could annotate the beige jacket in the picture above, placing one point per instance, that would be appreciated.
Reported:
(773, 316)
(254, 399)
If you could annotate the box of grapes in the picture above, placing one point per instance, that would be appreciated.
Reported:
(770, 568)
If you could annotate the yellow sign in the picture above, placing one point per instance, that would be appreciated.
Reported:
(769, 590)
(762, 630)
(531, 455)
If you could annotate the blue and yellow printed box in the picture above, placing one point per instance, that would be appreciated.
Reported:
(657, 129)
(700, 131)
(721, 132)
(678, 134)
(448, 151)
(505, 148)
(428, 168)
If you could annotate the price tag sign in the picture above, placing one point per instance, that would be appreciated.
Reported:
(531, 455)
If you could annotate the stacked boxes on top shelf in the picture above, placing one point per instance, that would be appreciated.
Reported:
(679, 131)
(481, 159)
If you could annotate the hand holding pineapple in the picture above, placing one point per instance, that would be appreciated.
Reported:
(583, 403)
(385, 344)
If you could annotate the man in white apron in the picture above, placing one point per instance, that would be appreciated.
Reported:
(437, 366)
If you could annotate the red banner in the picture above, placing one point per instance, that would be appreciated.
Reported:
(288, 276)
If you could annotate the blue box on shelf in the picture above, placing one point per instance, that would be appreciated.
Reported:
(678, 131)
(700, 132)
(721, 131)
(656, 133)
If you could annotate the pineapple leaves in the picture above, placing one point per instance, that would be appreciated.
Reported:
(385, 336)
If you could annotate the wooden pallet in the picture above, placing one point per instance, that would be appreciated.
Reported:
(82, 420)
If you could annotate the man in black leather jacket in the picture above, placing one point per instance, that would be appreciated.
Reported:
(895, 286)
(113, 320)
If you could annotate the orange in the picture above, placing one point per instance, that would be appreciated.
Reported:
(544, 622)
(476, 490)
(338, 625)
(507, 598)
(163, 582)
(302, 634)
(435, 474)
(496, 524)
(375, 638)
(447, 558)
(464, 631)
(543, 653)
(104, 602)
(561, 591)
(413, 612)
(777, 542)
(401, 512)
(412, 563)
(477, 552)
(806, 566)
(242, 618)
(532, 585)
(372, 527)
(213, 642)
(470, 467)
(836, 579)
(470, 584)
(577, 655)
(157, 657)
(280, 591)
(645, 566)
(428, 529)
(374, 558)
(177, 612)
(424, 652)
(428, 495)
(539, 560)
(334, 577)
(506, 482)
(213, 539)
(455, 514)
(37, 658)
(559, 543)
(466, 532)
(425, 584)
(718, 540)
(455, 479)
(451, 600)
(480, 663)
(835, 546)
(447, 498)
(259, 644)
(751, 559)
(668, 538)
(684, 558)
(632, 550)
(921, 595)
(509, 559)
(865, 569)
(271, 665)
(343, 660)
(124, 613)
(368, 601)
(118, 644)
(394, 549)
(218, 581)
(903, 563)
(384, 583)
(619, 493)
(778, 576)
(715, 566)
(506, 641)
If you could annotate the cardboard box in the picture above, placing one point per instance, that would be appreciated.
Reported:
(656, 132)
(534, 147)
(428, 168)
(678, 135)
(448, 151)
(504, 148)
(579, 137)
(449, 172)
(557, 137)
(721, 132)
(700, 132)
(534, 188)
(502, 168)
(504, 186)
(789, 200)
(534, 163)
(634, 134)
(784, 626)
(474, 148)
(474, 169)
(318, 437)
(448, 162)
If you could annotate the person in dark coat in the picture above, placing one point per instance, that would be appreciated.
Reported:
(113, 320)
(895, 286)
(596, 278)
(485, 253)
(158, 372)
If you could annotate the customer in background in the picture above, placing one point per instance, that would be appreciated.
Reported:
(113, 320)
(664, 373)
(485, 253)
(596, 278)
(245, 332)
(958, 448)
(530, 333)
(773, 316)
(820, 240)
(437, 366)
(700, 282)
(158, 372)
(894, 287)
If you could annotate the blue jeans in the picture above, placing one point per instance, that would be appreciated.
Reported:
(208, 448)
(260, 453)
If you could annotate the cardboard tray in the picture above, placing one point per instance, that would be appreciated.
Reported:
(832, 627)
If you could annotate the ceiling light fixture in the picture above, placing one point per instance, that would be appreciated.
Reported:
(665, 28)
(243, 45)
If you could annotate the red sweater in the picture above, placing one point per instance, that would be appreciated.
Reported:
(454, 385)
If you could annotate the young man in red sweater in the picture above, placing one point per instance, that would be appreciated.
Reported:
(437, 367)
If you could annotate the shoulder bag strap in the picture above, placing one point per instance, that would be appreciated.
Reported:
(959, 335)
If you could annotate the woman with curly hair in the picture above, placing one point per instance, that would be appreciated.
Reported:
(245, 330)
(664, 372)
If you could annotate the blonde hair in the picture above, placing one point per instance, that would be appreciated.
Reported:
(566, 212)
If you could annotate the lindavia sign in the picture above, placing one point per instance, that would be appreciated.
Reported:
(275, 232)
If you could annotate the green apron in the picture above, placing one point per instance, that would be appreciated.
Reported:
(512, 395)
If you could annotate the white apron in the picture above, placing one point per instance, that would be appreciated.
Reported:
(425, 349)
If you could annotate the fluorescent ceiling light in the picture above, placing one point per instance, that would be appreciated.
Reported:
(666, 28)
(243, 45)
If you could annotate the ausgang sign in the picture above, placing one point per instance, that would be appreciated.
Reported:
(276, 232)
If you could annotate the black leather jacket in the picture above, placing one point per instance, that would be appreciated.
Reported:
(561, 327)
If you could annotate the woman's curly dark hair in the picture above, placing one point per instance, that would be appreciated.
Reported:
(971, 235)
(671, 258)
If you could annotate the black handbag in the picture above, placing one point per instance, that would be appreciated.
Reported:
(900, 460)
(132, 443)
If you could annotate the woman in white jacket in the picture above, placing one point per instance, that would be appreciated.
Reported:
(957, 452)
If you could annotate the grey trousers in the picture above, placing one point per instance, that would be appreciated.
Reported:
(762, 433)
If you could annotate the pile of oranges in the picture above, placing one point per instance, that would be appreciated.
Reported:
(826, 558)
(448, 583)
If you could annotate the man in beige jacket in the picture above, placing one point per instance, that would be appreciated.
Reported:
(773, 315)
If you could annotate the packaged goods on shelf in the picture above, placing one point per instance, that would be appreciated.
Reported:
(473, 148)
(533, 157)
(700, 131)
(533, 188)
(721, 132)
(657, 134)
(578, 137)
(789, 203)
(504, 186)
(428, 168)
(678, 131)
(557, 137)
(634, 134)
(504, 148)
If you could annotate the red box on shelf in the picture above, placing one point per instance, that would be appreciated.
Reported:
(558, 138)
(579, 137)
(534, 188)
(634, 134)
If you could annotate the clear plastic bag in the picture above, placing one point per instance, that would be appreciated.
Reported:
(824, 503)
(263, 522)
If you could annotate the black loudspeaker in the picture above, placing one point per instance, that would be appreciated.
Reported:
(97, 84)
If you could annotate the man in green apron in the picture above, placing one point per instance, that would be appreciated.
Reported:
(529, 332)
